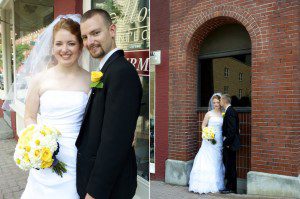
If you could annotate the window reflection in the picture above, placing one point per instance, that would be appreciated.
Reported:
(230, 75)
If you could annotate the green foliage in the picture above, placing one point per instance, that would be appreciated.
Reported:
(111, 7)
(20, 49)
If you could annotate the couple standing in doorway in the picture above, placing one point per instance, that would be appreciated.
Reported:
(216, 162)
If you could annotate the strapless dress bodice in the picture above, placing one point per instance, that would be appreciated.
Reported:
(63, 110)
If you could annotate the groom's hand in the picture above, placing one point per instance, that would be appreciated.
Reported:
(88, 196)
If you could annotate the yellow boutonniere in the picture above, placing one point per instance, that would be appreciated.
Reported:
(95, 78)
(223, 114)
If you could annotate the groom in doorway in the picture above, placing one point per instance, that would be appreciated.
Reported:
(106, 162)
(231, 143)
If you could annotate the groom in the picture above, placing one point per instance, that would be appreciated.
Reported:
(106, 164)
(231, 144)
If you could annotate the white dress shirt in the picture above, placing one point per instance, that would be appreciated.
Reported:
(105, 58)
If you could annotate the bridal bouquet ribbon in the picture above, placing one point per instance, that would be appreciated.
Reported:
(96, 79)
(208, 134)
(37, 148)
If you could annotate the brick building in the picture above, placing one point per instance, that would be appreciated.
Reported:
(264, 37)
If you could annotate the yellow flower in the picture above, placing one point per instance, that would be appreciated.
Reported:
(46, 157)
(26, 157)
(43, 132)
(28, 131)
(27, 148)
(46, 154)
(47, 130)
(37, 142)
(37, 153)
(18, 161)
(96, 76)
(26, 135)
(47, 164)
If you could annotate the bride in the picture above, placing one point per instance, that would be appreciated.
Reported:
(59, 93)
(207, 174)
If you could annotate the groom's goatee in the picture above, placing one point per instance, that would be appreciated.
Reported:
(101, 54)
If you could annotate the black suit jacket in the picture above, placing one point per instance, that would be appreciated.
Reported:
(106, 164)
(230, 129)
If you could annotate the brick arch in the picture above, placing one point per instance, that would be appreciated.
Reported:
(184, 51)
(207, 20)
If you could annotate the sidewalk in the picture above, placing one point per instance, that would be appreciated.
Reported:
(161, 190)
(12, 179)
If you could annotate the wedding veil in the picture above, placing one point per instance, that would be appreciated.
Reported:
(211, 104)
(39, 59)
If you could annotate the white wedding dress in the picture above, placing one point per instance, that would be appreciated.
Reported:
(63, 110)
(207, 174)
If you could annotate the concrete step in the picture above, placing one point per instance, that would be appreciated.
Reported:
(5, 131)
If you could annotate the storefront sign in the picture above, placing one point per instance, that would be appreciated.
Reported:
(140, 60)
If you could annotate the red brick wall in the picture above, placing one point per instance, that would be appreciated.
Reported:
(1, 110)
(14, 124)
(273, 27)
(160, 41)
(67, 7)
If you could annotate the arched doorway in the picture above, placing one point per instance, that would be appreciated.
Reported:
(224, 65)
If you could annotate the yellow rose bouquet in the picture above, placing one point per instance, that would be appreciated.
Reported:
(37, 148)
(208, 134)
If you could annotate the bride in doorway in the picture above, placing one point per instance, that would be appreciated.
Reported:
(207, 174)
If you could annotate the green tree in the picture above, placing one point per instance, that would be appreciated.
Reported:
(111, 7)
(20, 49)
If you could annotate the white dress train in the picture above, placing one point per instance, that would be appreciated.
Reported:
(63, 110)
(207, 174)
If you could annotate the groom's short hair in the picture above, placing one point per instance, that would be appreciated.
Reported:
(227, 98)
(103, 13)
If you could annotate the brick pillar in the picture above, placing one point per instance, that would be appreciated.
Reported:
(160, 41)
(1, 110)
(62, 7)
(14, 124)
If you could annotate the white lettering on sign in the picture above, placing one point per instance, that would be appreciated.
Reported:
(132, 24)
(140, 64)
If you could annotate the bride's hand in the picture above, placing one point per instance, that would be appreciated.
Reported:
(88, 196)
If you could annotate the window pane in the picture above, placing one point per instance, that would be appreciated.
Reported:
(132, 19)
(230, 75)
(35, 16)
(142, 133)
(152, 113)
